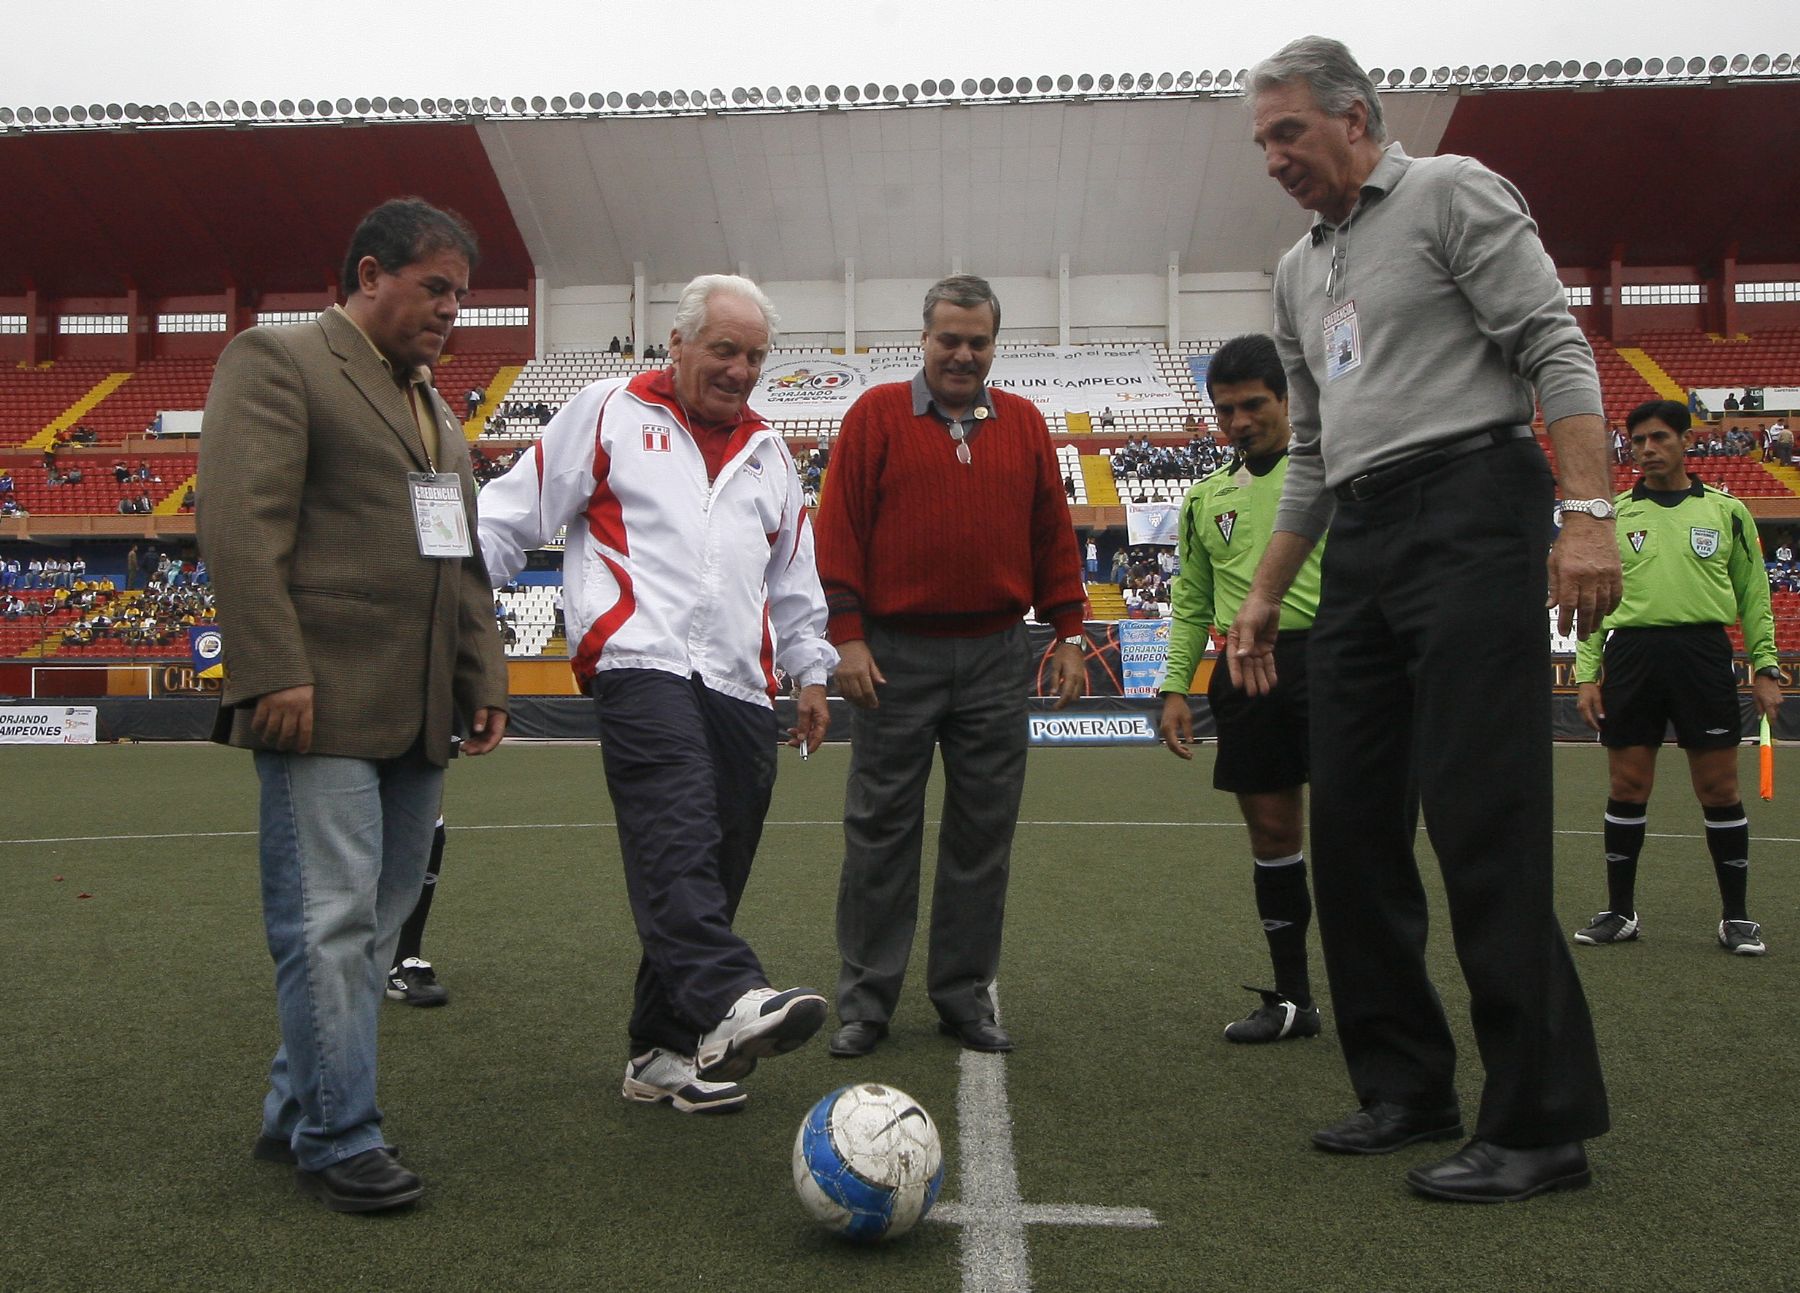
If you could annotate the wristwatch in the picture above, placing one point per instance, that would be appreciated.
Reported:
(1601, 509)
(1079, 640)
(1769, 671)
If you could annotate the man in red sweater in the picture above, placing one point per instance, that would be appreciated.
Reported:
(943, 520)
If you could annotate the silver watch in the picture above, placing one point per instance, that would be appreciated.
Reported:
(1079, 640)
(1601, 509)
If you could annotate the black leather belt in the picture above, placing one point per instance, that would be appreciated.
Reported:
(1372, 484)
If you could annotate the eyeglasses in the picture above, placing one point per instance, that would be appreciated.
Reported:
(958, 433)
(1340, 269)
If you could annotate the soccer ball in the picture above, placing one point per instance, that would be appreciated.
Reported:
(867, 1162)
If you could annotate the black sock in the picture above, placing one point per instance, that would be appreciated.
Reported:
(1624, 841)
(1285, 906)
(1728, 840)
(412, 933)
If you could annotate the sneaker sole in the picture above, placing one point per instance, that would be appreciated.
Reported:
(1605, 942)
(1574, 1181)
(644, 1093)
(1298, 1033)
(418, 1001)
(1758, 950)
(786, 1030)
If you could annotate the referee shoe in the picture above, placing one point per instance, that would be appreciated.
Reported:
(1277, 1019)
(761, 1023)
(1741, 937)
(1610, 927)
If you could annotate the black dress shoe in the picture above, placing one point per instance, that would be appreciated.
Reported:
(273, 1149)
(1483, 1172)
(1381, 1127)
(365, 1182)
(978, 1034)
(856, 1037)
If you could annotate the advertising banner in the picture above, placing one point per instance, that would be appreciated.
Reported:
(1153, 523)
(1059, 380)
(1143, 655)
(47, 725)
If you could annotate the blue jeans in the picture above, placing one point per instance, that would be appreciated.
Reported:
(344, 844)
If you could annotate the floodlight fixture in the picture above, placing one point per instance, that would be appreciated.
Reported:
(1634, 66)
(1127, 81)
(1440, 75)
(266, 107)
(177, 111)
(1185, 81)
(445, 107)
(306, 108)
(833, 94)
(1223, 79)
(793, 94)
(1006, 85)
(1535, 72)
(664, 99)
(1377, 75)
(1654, 67)
(634, 101)
(890, 93)
(929, 89)
(871, 91)
(557, 103)
(1782, 63)
(78, 114)
(59, 114)
(6, 116)
(1084, 82)
(754, 95)
(1613, 67)
(1717, 64)
(1676, 66)
(1106, 82)
(716, 97)
(537, 103)
(812, 94)
(910, 92)
(852, 93)
(987, 85)
(1516, 72)
(380, 104)
(1065, 83)
(1417, 76)
(1045, 84)
(1760, 63)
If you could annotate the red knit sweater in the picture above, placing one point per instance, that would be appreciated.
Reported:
(910, 536)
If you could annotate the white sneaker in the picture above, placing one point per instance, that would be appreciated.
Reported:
(659, 1075)
(1741, 937)
(761, 1023)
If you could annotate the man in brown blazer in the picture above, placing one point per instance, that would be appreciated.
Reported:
(338, 519)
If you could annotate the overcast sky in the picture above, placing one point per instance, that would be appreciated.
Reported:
(99, 51)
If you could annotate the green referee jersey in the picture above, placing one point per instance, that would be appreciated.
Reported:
(1226, 521)
(1698, 562)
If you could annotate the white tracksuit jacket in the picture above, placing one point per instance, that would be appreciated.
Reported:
(662, 570)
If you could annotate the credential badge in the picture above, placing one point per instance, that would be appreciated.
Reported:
(1637, 538)
(1705, 542)
(1227, 522)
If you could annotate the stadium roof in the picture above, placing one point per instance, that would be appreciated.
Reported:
(1669, 174)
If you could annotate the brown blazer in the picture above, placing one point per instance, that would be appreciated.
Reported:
(306, 524)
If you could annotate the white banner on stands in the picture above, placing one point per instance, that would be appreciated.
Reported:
(48, 724)
(1073, 379)
(1154, 523)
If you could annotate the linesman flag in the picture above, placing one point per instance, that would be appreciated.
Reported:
(207, 648)
(1766, 757)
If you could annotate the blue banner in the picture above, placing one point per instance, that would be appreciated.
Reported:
(1143, 655)
(1199, 365)
(207, 648)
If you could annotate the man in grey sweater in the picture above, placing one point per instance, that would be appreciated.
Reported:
(1415, 319)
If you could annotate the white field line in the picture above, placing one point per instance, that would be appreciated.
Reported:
(798, 822)
(995, 1255)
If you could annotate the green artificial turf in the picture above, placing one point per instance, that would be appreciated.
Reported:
(137, 1022)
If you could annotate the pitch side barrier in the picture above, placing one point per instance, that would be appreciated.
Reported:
(1120, 705)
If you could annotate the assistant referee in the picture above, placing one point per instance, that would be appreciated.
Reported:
(1226, 520)
(1692, 565)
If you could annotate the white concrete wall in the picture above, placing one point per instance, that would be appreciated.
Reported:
(1102, 308)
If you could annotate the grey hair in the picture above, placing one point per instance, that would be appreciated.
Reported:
(1329, 70)
(690, 309)
(963, 290)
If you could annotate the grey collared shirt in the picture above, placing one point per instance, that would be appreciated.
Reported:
(924, 402)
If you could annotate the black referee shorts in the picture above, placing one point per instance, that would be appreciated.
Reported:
(1262, 739)
(1678, 674)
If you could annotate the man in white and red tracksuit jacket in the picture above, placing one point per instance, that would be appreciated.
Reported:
(687, 577)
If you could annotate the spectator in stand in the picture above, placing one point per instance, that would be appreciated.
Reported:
(1785, 553)
(127, 507)
(188, 499)
(613, 349)
(472, 401)
(6, 480)
(1731, 402)
(121, 473)
(144, 506)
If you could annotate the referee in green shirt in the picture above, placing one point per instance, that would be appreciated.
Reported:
(1692, 565)
(1226, 520)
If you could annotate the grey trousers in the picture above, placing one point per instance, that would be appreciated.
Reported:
(965, 697)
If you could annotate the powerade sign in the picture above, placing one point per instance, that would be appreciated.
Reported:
(1091, 729)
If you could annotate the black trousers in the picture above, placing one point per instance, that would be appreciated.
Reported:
(690, 773)
(1431, 688)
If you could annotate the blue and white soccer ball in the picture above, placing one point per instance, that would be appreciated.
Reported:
(867, 1162)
